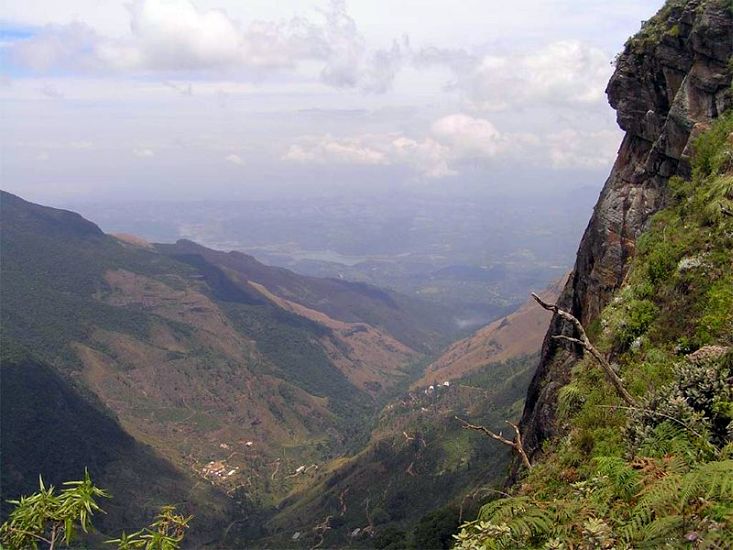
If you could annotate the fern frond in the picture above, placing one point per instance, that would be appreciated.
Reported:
(662, 530)
(676, 464)
(667, 438)
(633, 530)
(524, 519)
(625, 480)
(569, 400)
(534, 523)
(713, 480)
(662, 495)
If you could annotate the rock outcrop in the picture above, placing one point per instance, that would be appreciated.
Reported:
(671, 80)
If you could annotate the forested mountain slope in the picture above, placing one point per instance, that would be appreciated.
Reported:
(421, 472)
(162, 367)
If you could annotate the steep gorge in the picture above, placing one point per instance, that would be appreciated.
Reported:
(177, 373)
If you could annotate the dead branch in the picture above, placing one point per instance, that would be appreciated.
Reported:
(585, 343)
(369, 528)
(342, 501)
(409, 469)
(516, 444)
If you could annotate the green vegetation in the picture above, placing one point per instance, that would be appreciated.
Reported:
(658, 474)
(165, 533)
(52, 518)
(60, 306)
(49, 519)
(417, 448)
(659, 27)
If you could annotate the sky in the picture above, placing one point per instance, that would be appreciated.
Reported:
(191, 99)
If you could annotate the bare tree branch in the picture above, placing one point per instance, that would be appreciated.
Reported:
(516, 444)
(342, 501)
(277, 467)
(520, 446)
(585, 343)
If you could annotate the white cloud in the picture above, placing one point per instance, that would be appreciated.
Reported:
(452, 138)
(563, 73)
(326, 149)
(573, 149)
(172, 35)
(176, 36)
(468, 136)
(427, 156)
(234, 159)
(568, 71)
(43, 156)
(458, 138)
(143, 152)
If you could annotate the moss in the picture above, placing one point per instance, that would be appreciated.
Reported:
(673, 31)
(717, 317)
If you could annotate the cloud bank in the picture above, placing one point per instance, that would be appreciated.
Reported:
(174, 36)
(455, 139)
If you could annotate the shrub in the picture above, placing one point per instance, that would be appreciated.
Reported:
(639, 315)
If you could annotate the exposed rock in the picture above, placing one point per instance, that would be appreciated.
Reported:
(707, 354)
(670, 81)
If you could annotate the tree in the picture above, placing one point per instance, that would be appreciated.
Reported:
(586, 344)
(50, 518)
(516, 444)
(165, 533)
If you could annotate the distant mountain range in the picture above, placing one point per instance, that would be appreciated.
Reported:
(478, 254)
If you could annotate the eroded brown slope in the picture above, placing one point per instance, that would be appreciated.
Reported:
(519, 333)
(234, 384)
(196, 388)
(371, 359)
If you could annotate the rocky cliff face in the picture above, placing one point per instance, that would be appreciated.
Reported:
(671, 80)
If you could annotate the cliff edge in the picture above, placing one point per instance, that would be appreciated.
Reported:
(671, 80)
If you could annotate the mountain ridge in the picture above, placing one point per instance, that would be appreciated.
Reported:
(190, 359)
(514, 335)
